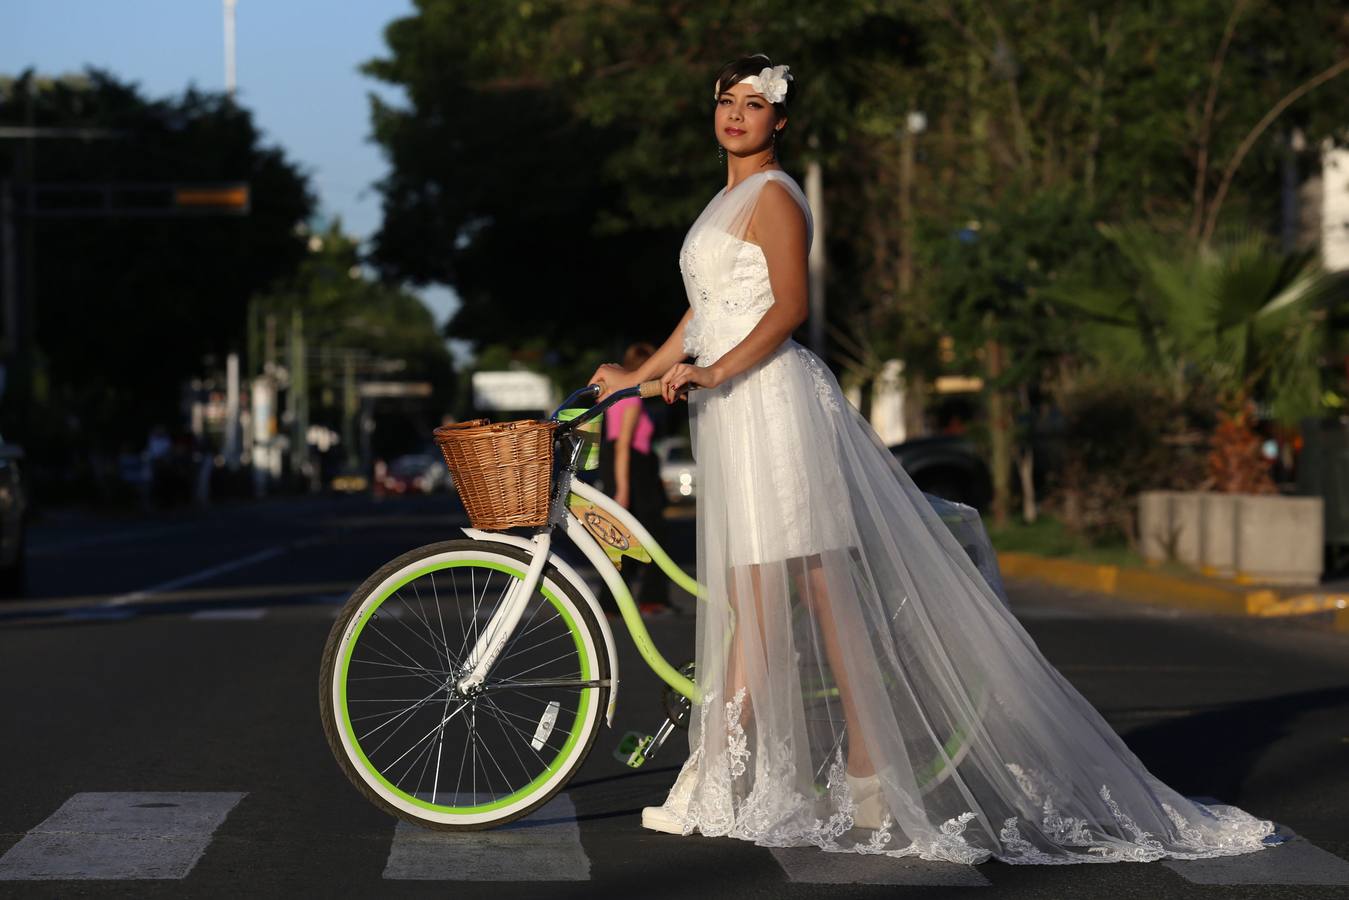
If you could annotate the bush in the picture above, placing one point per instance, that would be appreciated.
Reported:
(1119, 436)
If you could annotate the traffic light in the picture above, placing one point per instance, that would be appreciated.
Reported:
(223, 198)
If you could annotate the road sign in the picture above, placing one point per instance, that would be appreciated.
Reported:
(512, 391)
(395, 389)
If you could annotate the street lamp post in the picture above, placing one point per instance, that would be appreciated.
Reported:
(229, 48)
(915, 124)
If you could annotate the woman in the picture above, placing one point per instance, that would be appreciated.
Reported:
(864, 688)
(630, 473)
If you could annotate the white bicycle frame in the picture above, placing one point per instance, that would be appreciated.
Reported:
(494, 636)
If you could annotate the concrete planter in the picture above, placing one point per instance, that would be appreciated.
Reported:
(1155, 530)
(1265, 538)
(1169, 525)
(1217, 533)
(1280, 540)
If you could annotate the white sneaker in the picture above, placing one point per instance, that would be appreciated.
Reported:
(869, 807)
(658, 818)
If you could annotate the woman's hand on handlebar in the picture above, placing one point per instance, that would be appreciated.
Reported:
(673, 382)
(612, 377)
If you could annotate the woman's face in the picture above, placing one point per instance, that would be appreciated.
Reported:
(744, 120)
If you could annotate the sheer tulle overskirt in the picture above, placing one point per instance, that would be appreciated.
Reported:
(845, 627)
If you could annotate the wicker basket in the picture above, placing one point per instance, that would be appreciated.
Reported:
(504, 472)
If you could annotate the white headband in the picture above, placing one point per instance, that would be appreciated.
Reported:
(771, 82)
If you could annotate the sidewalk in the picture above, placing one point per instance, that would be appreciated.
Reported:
(1328, 602)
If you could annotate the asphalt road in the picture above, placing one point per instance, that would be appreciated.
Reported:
(161, 738)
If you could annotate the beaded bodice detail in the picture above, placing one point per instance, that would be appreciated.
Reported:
(727, 300)
(725, 275)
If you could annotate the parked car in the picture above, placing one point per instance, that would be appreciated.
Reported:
(350, 480)
(13, 520)
(678, 472)
(413, 473)
(948, 466)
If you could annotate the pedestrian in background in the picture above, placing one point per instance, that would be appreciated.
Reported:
(630, 473)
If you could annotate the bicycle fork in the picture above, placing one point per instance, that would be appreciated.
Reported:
(502, 625)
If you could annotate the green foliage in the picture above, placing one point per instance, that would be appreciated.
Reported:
(125, 309)
(553, 153)
(1048, 536)
(380, 331)
(993, 279)
(1121, 433)
(540, 130)
(1238, 318)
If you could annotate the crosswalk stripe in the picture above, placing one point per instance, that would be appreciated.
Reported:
(543, 846)
(120, 835)
(1297, 861)
(808, 865)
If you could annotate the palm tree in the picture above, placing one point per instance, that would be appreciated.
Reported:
(1237, 317)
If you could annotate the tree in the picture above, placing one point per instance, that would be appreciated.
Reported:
(354, 329)
(125, 308)
(1235, 318)
(1129, 110)
(552, 154)
(1043, 115)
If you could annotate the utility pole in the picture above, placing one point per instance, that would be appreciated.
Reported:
(9, 270)
(911, 384)
(232, 434)
(914, 125)
(299, 397)
(816, 260)
(351, 409)
(229, 48)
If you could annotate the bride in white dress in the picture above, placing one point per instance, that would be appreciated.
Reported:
(865, 688)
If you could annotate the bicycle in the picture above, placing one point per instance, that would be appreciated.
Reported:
(489, 660)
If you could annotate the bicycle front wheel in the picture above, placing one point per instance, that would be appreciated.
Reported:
(399, 728)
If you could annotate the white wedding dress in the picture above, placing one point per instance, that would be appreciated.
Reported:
(809, 531)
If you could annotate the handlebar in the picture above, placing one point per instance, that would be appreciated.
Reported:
(589, 392)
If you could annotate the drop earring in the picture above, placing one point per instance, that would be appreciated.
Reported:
(721, 153)
(773, 147)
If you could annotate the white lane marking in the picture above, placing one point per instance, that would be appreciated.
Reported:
(152, 834)
(228, 615)
(213, 571)
(543, 846)
(1298, 861)
(81, 543)
(809, 865)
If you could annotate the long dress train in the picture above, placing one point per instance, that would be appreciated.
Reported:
(844, 623)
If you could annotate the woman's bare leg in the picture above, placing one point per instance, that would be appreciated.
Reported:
(737, 669)
(814, 588)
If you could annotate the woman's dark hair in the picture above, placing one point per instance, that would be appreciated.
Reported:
(636, 354)
(738, 70)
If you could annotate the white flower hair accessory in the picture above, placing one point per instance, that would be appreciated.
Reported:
(771, 82)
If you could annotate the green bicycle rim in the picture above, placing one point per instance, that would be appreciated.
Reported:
(564, 755)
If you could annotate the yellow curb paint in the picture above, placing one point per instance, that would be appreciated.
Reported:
(1148, 585)
(1258, 603)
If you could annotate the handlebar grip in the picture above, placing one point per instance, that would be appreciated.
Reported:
(652, 388)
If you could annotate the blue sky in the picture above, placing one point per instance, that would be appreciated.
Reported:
(297, 70)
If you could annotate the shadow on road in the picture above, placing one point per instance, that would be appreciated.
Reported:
(1213, 752)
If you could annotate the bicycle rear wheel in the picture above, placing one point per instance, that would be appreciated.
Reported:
(399, 728)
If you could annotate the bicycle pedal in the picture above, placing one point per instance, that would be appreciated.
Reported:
(632, 749)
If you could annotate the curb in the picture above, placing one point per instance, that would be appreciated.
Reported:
(1156, 587)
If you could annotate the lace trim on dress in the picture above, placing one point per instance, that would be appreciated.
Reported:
(775, 814)
(1236, 832)
(821, 379)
